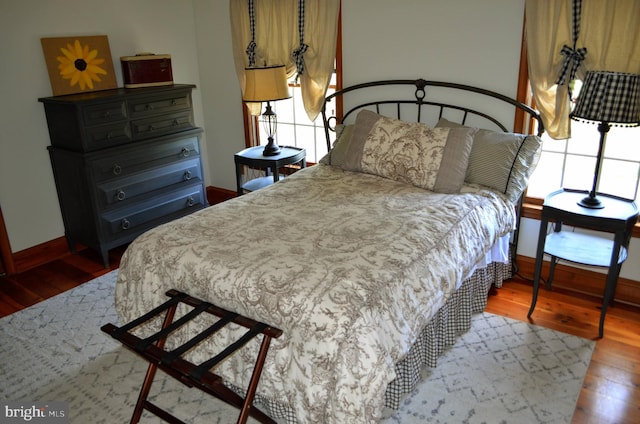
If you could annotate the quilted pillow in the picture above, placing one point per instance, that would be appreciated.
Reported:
(410, 152)
(502, 161)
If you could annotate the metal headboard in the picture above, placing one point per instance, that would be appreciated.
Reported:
(421, 88)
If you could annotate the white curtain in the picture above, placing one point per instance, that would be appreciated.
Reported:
(609, 30)
(277, 36)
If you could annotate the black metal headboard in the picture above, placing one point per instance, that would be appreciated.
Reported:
(373, 93)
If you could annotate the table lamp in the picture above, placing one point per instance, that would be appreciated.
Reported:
(607, 98)
(267, 85)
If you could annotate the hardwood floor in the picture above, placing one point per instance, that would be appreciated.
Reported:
(41, 282)
(611, 390)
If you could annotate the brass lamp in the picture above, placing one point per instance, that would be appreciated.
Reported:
(607, 98)
(266, 85)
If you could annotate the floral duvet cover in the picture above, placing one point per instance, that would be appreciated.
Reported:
(350, 266)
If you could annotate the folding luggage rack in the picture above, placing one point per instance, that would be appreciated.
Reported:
(200, 376)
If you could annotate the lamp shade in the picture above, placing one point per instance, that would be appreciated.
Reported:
(265, 84)
(611, 97)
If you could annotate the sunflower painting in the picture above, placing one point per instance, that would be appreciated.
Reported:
(79, 64)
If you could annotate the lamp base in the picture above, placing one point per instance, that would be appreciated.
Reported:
(271, 149)
(591, 203)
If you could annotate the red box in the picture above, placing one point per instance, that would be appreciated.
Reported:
(146, 70)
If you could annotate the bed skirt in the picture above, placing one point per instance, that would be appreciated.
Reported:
(452, 320)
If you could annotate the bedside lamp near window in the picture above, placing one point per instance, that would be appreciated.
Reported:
(608, 98)
(266, 85)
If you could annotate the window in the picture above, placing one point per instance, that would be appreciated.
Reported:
(570, 163)
(295, 128)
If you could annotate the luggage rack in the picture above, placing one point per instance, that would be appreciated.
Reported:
(200, 376)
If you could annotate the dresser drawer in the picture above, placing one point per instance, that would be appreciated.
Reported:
(103, 113)
(124, 161)
(87, 122)
(119, 222)
(153, 105)
(104, 136)
(131, 188)
(159, 125)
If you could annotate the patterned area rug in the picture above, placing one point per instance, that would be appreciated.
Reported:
(501, 371)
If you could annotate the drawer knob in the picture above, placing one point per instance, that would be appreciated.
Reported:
(190, 201)
(109, 135)
(120, 195)
(125, 224)
(106, 115)
(148, 107)
(175, 123)
(151, 128)
(173, 102)
(187, 175)
(117, 169)
(185, 152)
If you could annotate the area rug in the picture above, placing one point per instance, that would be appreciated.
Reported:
(501, 371)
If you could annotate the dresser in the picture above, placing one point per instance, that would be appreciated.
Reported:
(124, 161)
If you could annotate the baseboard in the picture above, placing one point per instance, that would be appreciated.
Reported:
(219, 195)
(41, 254)
(582, 281)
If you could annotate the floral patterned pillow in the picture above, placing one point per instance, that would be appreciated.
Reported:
(435, 159)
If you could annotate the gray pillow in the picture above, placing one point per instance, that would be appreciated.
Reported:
(499, 160)
(338, 151)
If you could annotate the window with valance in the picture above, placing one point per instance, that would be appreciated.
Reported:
(300, 34)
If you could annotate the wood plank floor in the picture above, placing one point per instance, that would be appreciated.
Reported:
(611, 390)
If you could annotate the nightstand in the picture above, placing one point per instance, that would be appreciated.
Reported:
(618, 217)
(253, 157)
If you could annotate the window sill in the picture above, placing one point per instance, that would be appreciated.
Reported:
(534, 211)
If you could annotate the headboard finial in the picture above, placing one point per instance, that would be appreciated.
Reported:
(421, 83)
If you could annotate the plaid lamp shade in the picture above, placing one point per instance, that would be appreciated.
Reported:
(612, 97)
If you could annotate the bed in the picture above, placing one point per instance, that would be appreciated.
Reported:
(371, 262)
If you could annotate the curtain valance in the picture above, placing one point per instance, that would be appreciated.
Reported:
(278, 32)
(604, 38)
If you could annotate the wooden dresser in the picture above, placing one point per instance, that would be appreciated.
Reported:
(124, 161)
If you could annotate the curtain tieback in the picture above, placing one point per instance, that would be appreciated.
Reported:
(573, 58)
(298, 56)
(251, 53)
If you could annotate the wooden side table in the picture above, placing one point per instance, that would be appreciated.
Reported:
(254, 158)
(618, 217)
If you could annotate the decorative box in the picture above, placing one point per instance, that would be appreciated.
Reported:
(146, 70)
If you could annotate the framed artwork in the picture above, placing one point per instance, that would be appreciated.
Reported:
(79, 64)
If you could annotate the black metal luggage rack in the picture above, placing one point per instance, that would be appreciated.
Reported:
(200, 376)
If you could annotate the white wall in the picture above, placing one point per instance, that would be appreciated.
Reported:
(222, 97)
(472, 42)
